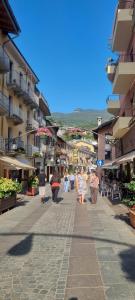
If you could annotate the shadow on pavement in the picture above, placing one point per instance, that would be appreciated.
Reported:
(27, 242)
(60, 199)
(128, 263)
(123, 217)
(22, 247)
(21, 203)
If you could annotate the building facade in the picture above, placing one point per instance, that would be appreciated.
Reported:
(22, 107)
(121, 72)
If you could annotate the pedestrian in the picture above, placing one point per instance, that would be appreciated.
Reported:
(55, 186)
(42, 181)
(72, 181)
(81, 185)
(66, 182)
(94, 186)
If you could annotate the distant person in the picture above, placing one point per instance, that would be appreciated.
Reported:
(55, 186)
(72, 181)
(66, 182)
(42, 181)
(94, 186)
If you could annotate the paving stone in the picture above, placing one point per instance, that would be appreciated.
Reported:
(118, 292)
(75, 281)
(83, 249)
(70, 247)
(85, 293)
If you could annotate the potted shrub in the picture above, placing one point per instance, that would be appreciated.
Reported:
(33, 186)
(8, 190)
(130, 201)
(37, 154)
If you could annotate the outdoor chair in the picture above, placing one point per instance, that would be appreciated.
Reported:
(116, 192)
(104, 190)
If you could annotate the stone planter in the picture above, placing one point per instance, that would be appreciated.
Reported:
(132, 217)
(7, 203)
(32, 191)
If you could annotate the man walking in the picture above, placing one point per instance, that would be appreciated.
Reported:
(72, 181)
(94, 186)
(42, 179)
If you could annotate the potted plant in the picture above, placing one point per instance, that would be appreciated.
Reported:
(33, 186)
(37, 154)
(8, 190)
(20, 150)
(130, 201)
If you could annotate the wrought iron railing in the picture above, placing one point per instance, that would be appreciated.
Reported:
(125, 4)
(4, 102)
(15, 79)
(4, 61)
(16, 112)
(2, 144)
(13, 144)
(113, 97)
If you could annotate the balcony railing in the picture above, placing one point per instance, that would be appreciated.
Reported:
(113, 98)
(32, 125)
(16, 115)
(19, 85)
(2, 144)
(4, 104)
(13, 145)
(123, 4)
(4, 61)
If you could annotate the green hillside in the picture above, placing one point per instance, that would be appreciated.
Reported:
(81, 117)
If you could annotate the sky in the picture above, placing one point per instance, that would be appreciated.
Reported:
(66, 44)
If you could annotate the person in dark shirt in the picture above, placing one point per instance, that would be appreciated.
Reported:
(42, 180)
(55, 186)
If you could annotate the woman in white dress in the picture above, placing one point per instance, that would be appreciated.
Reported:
(81, 185)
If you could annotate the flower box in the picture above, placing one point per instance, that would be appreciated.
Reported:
(32, 191)
(7, 203)
(132, 217)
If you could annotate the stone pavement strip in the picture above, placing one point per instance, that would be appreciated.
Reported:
(66, 251)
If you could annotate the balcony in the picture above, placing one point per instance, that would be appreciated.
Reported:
(30, 98)
(42, 122)
(17, 83)
(31, 149)
(113, 103)
(32, 125)
(123, 27)
(4, 62)
(2, 144)
(125, 74)
(121, 127)
(4, 104)
(110, 69)
(16, 115)
(13, 146)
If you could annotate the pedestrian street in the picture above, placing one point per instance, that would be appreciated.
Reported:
(66, 251)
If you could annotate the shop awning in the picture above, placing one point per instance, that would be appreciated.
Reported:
(14, 163)
(111, 166)
(126, 158)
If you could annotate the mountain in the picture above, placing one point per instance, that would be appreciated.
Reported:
(84, 118)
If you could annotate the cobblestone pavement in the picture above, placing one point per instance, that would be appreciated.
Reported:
(66, 251)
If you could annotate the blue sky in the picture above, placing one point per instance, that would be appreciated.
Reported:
(66, 43)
